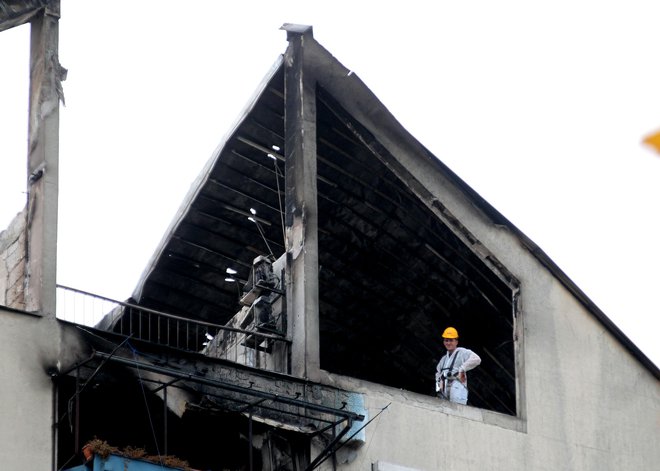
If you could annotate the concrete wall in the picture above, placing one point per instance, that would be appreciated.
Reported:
(590, 405)
(585, 402)
(29, 346)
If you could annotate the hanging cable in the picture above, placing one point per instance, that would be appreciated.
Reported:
(146, 404)
(69, 410)
(350, 438)
(374, 432)
(261, 232)
(67, 461)
(278, 173)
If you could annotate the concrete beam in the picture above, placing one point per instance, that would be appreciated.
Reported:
(46, 76)
(301, 213)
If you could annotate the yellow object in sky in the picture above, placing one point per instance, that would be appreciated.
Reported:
(653, 140)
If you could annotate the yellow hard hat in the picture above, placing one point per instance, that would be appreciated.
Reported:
(450, 333)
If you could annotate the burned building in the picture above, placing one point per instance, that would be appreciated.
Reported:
(291, 315)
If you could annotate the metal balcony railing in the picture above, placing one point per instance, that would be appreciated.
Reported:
(249, 345)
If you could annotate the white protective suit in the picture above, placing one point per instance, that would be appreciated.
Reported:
(447, 383)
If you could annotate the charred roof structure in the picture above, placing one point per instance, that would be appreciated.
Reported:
(301, 290)
(394, 267)
(317, 167)
(369, 267)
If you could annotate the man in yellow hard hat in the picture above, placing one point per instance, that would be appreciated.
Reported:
(450, 376)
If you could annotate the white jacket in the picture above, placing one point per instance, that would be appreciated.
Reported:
(465, 361)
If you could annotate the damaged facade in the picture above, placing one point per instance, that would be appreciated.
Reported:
(12, 264)
(290, 318)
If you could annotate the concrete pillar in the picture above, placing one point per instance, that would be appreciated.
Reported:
(46, 75)
(301, 213)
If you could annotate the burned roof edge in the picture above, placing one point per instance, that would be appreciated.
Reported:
(201, 179)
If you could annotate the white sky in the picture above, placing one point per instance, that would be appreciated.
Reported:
(541, 108)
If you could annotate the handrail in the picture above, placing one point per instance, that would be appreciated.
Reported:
(174, 316)
(250, 346)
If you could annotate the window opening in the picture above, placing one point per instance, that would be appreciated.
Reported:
(393, 276)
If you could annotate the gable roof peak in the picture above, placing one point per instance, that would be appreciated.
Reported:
(296, 29)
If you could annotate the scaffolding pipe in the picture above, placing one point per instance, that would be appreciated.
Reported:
(230, 387)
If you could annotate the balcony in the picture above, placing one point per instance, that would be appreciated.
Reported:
(253, 337)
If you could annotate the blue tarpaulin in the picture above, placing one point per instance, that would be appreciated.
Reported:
(120, 463)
